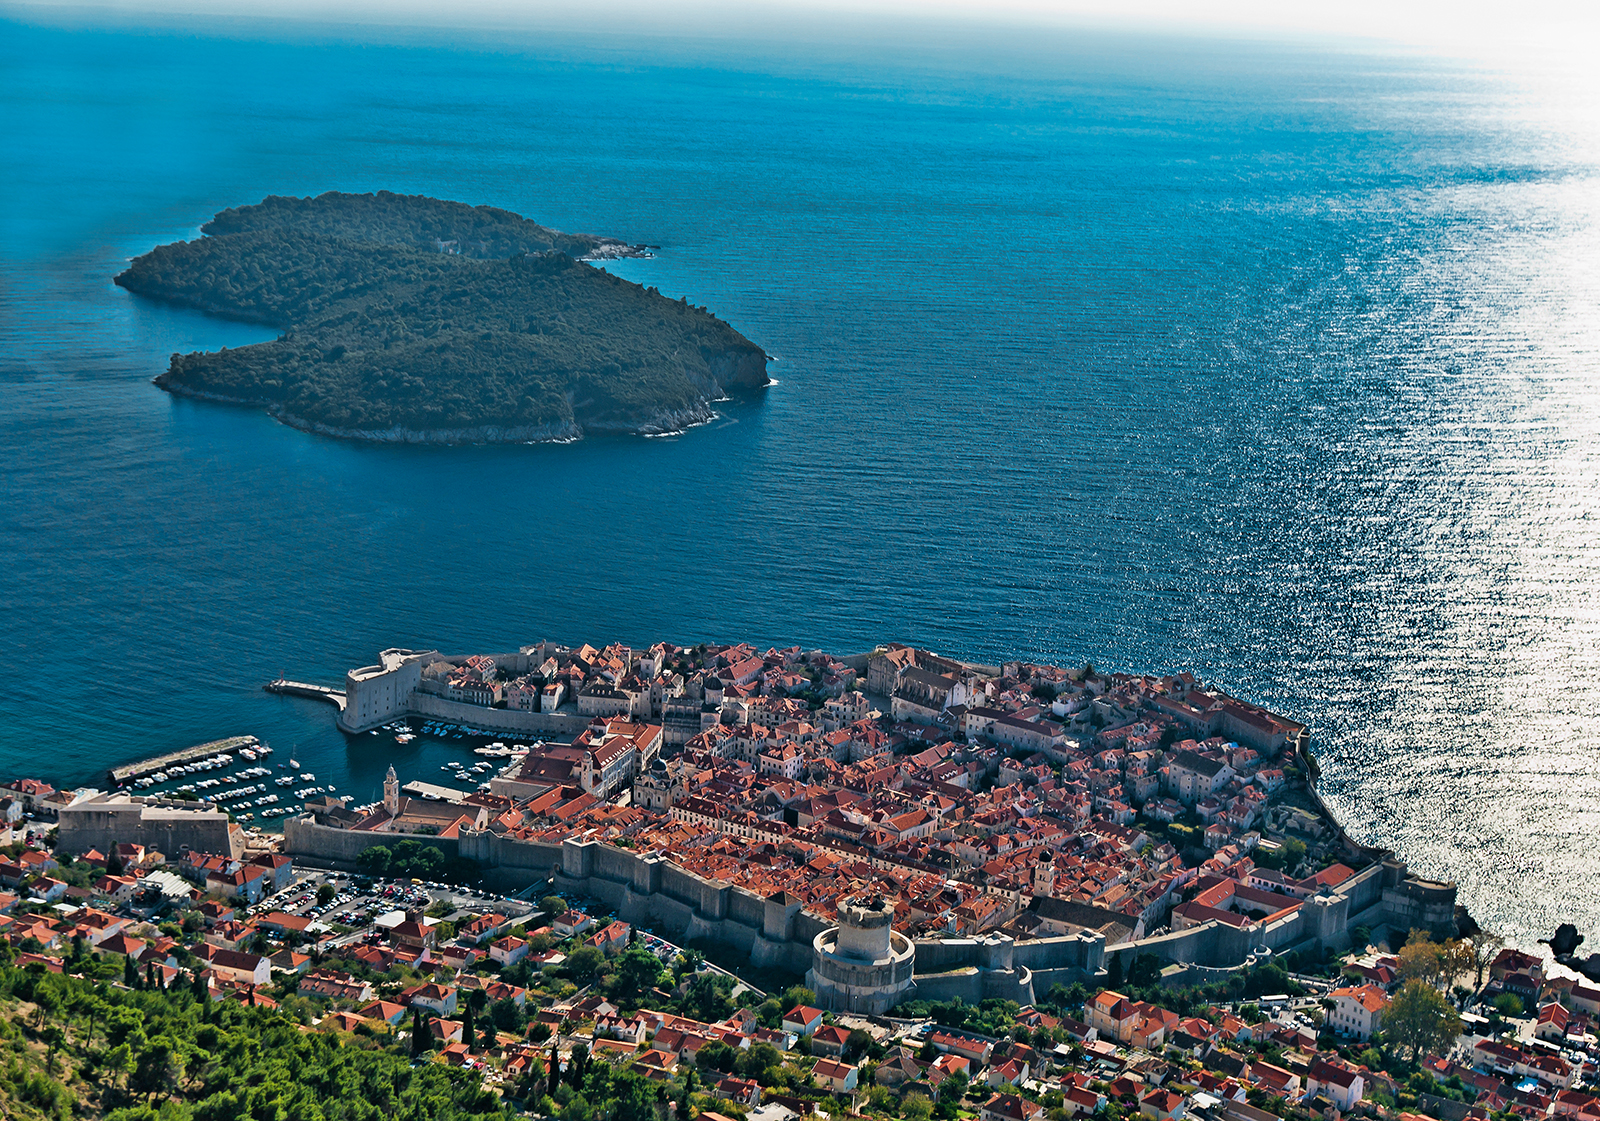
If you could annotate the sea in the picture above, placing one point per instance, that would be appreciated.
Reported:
(1277, 361)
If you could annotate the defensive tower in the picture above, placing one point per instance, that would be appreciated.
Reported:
(863, 964)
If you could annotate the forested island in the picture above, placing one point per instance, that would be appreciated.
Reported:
(414, 319)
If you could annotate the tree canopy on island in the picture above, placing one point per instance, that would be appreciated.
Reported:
(387, 336)
(411, 221)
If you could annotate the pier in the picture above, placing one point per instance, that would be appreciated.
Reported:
(301, 689)
(123, 774)
(432, 793)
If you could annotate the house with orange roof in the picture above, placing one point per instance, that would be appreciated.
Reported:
(448, 1031)
(1012, 1071)
(508, 950)
(829, 1040)
(833, 1075)
(1162, 1105)
(343, 1021)
(611, 939)
(1010, 1107)
(802, 1020)
(1358, 1011)
(1342, 1085)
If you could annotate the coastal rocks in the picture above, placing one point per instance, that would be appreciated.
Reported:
(1564, 944)
(740, 369)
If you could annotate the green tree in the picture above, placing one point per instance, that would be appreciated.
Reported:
(584, 964)
(637, 972)
(797, 995)
(419, 1032)
(1419, 1020)
(760, 1063)
(1485, 947)
(373, 862)
(716, 1055)
(1508, 1004)
(1421, 959)
(709, 998)
(507, 1015)
(326, 894)
(856, 1044)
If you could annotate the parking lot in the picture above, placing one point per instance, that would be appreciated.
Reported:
(357, 901)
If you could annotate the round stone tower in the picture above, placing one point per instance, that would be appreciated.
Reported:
(863, 964)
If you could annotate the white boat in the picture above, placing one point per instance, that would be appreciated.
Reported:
(307, 777)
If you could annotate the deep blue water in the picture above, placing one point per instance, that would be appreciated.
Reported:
(1272, 363)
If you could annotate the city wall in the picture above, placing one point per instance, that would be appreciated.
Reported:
(777, 933)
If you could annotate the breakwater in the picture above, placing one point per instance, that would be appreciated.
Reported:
(130, 771)
(302, 689)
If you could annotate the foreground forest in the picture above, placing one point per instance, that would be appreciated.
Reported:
(393, 331)
(73, 1047)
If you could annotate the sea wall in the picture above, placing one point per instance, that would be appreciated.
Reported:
(495, 719)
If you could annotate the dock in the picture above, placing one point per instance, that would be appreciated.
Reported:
(120, 775)
(302, 689)
(433, 793)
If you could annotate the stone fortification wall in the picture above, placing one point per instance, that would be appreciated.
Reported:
(1364, 888)
(560, 724)
(304, 838)
(650, 891)
(973, 985)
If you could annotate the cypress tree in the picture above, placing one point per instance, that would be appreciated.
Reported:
(418, 1028)
(130, 973)
(468, 1035)
(150, 975)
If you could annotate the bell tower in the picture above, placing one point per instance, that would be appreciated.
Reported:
(391, 792)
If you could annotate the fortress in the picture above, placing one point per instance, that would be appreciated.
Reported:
(394, 688)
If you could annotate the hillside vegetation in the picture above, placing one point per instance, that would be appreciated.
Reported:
(76, 1048)
(387, 337)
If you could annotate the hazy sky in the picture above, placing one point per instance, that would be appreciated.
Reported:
(1468, 27)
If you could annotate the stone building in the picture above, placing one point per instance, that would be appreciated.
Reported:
(164, 824)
